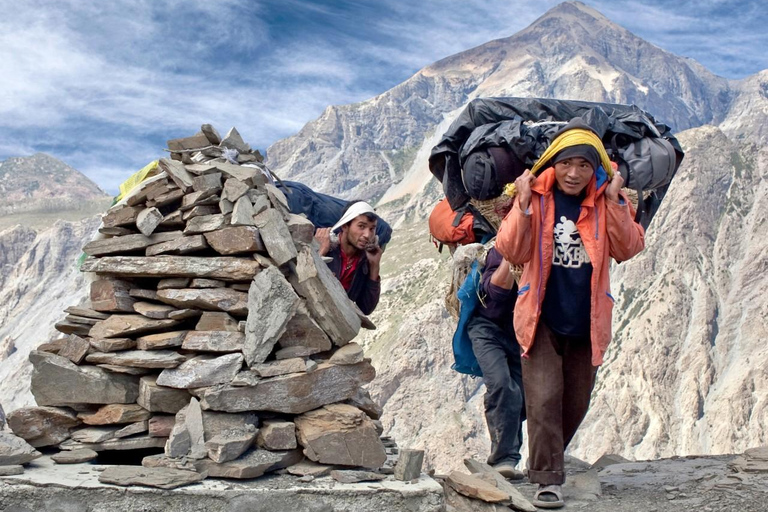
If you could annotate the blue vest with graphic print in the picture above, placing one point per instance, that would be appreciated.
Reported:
(566, 308)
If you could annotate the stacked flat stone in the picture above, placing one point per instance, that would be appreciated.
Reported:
(214, 331)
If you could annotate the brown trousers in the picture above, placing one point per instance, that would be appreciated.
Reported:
(558, 378)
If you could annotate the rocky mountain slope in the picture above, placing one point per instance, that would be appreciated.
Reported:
(686, 373)
(38, 189)
(376, 148)
(37, 285)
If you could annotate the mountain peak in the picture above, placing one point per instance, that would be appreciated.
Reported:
(41, 182)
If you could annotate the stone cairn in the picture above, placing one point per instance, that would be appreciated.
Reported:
(215, 331)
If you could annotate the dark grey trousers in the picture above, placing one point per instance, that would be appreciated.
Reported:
(498, 354)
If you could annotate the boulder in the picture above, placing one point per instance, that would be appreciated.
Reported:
(202, 371)
(324, 431)
(42, 426)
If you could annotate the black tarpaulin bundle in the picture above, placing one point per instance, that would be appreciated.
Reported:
(526, 127)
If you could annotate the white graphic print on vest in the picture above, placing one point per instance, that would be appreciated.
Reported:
(569, 249)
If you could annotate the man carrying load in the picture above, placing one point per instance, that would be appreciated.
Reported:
(565, 226)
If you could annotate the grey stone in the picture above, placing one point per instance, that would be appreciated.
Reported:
(326, 298)
(277, 435)
(216, 321)
(233, 140)
(295, 393)
(121, 326)
(148, 219)
(183, 314)
(11, 470)
(163, 478)
(252, 464)
(207, 283)
(303, 331)
(165, 199)
(235, 240)
(216, 299)
(207, 182)
(115, 414)
(74, 456)
(301, 228)
(111, 295)
(584, 486)
(276, 237)
(87, 312)
(230, 444)
(42, 426)
(151, 310)
(226, 268)
(234, 190)
(215, 423)
(134, 428)
(124, 444)
(309, 468)
(608, 459)
(94, 435)
(173, 220)
(112, 344)
(120, 216)
(173, 282)
(515, 499)
(242, 213)
(247, 174)
(140, 293)
(72, 328)
(180, 245)
(271, 304)
(58, 381)
(293, 352)
(275, 368)
(162, 340)
(362, 400)
(128, 370)
(177, 173)
(475, 487)
(160, 426)
(14, 450)
(409, 463)
(226, 206)
(321, 432)
(278, 199)
(187, 437)
(202, 371)
(201, 210)
(75, 349)
(260, 202)
(156, 398)
(162, 461)
(214, 341)
(127, 243)
(205, 223)
(353, 477)
(245, 378)
(211, 134)
(139, 358)
(351, 353)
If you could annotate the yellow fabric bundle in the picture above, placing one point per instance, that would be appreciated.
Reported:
(567, 139)
(135, 179)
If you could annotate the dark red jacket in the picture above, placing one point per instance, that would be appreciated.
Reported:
(364, 291)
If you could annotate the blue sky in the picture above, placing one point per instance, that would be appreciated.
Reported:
(102, 85)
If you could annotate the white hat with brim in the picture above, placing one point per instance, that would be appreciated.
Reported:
(357, 209)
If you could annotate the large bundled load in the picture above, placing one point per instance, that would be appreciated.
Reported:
(215, 331)
(494, 140)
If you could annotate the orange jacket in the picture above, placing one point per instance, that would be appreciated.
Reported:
(607, 229)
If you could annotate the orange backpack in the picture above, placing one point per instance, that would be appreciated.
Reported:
(451, 227)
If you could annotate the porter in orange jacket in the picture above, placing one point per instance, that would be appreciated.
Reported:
(607, 230)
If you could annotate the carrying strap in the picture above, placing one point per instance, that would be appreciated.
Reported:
(485, 190)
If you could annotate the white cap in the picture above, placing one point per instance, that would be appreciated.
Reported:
(358, 208)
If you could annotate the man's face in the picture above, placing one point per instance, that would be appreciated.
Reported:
(360, 232)
(573, 175)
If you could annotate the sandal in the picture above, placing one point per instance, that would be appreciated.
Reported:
(549, 496)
